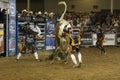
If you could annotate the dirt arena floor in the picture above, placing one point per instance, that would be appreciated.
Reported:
(95, 67)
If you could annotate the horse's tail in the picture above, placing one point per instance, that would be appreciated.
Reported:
(64, 3)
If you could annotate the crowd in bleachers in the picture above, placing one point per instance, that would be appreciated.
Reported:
(88, 20)
(109, 22)
(25, 15)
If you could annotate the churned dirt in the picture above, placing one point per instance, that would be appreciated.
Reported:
(94, 67)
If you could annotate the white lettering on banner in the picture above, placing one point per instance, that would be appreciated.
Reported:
(108, 40)
(86, 39)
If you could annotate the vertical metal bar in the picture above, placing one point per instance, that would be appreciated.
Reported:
(28, 5)
(7, 38)
(111, 6)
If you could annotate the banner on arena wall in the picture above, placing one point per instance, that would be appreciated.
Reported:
(118, 39)
(50, 34)
(1, 38)
(40, 45)
(12, 27)
(109, 39)
(86, 39)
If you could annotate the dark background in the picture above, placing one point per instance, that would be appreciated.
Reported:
(36, 5)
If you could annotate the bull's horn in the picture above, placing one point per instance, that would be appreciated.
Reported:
(61, 2)
(64, 3)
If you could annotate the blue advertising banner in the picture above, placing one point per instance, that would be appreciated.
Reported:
(50, 34)
(12, 27)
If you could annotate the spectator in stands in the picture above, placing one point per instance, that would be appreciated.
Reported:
(2, 15)
(45, 15)
(87, 20)
(51, 15)
(39, 14)
(24, 12)
(30, 13)
(108, 20)
(116, 22)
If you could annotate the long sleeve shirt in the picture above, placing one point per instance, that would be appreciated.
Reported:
(36, 29)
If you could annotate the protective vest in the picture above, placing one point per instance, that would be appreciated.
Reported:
(75, 36)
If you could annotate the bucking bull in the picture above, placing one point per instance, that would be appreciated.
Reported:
(62, 39)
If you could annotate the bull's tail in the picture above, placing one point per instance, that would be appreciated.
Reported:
(64, 3)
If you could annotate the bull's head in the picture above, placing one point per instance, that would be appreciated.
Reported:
(64, 26)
